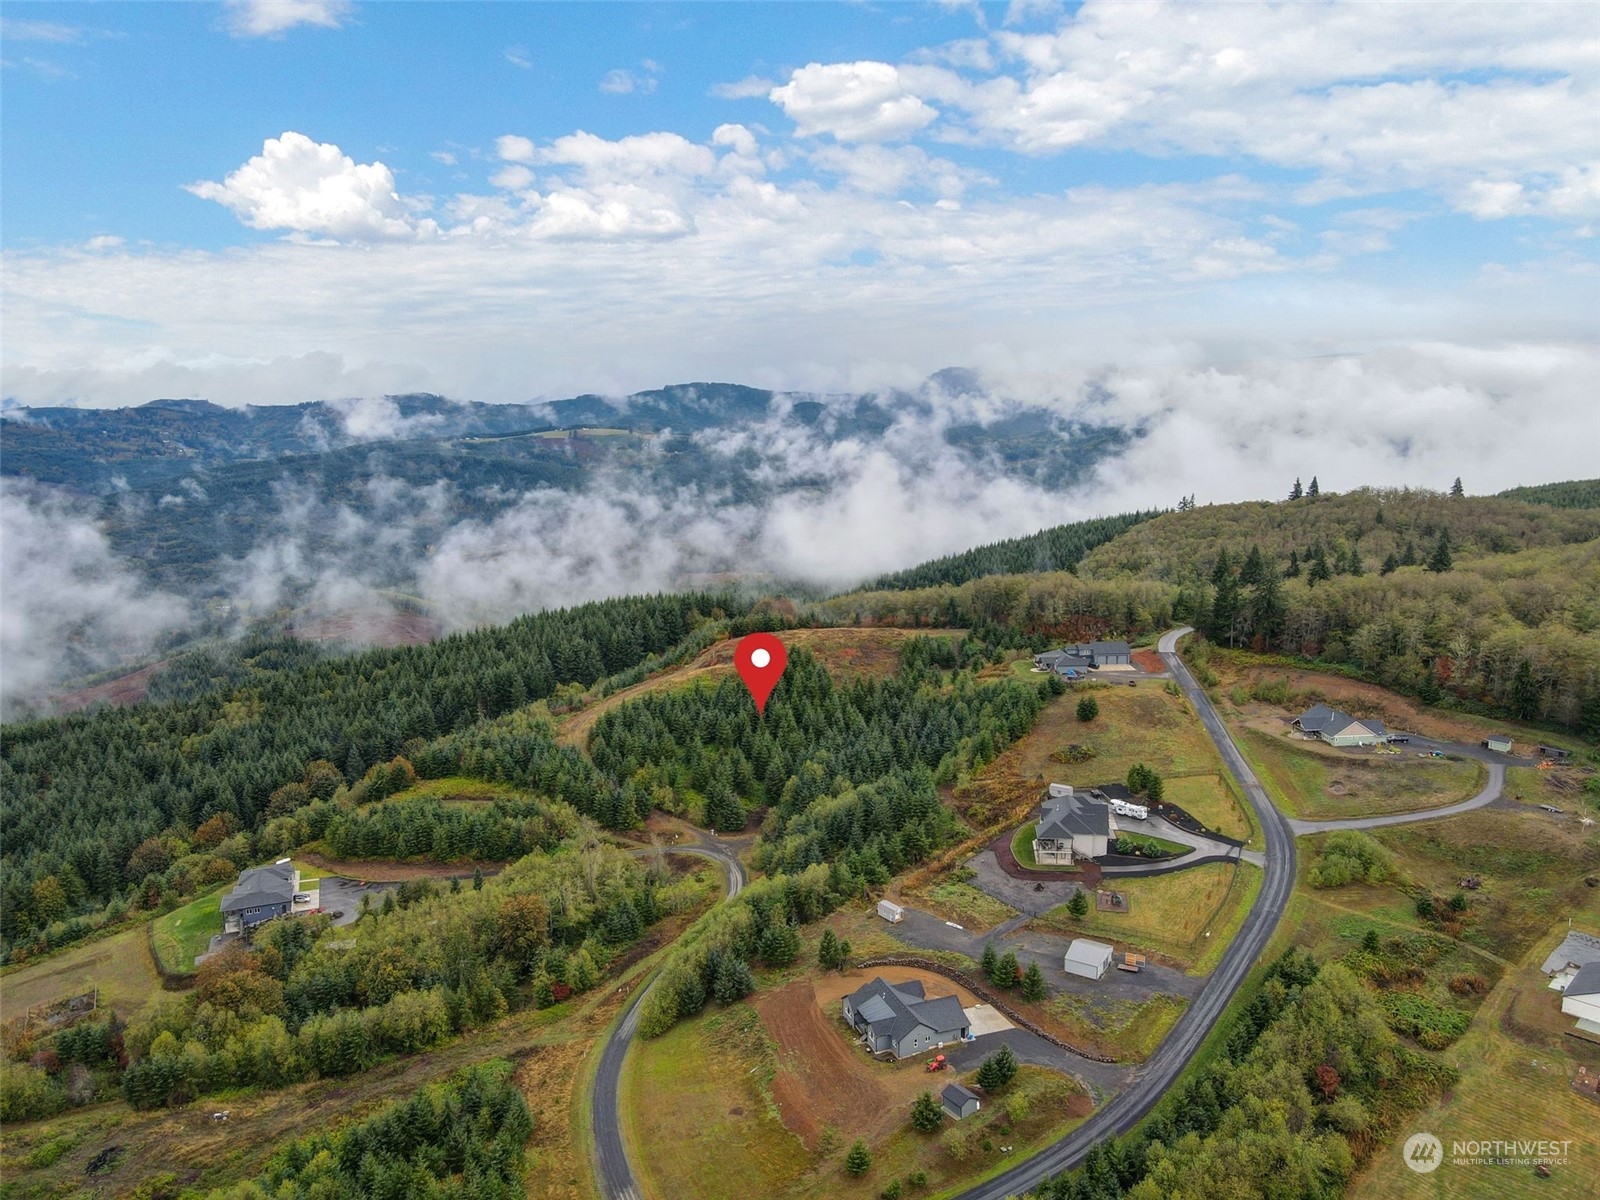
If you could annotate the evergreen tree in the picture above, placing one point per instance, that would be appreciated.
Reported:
(1319, 568)
(1440, 560)
(1456, 489)
(1268, 610)
(1293, 569)
(926, 1115)
(1033, 983)
(1390, 564)
(1225, 603)
(1409, 557)
(999, 1069)
(1254, 569)
(859, 1160)
(1353, 564)
(1297, 491)
(1313, 490)
(990, 960)
(1088, 708)
(1525, 694)
(477, 879)
(828, 951)
(1078, 906)
(733, 980)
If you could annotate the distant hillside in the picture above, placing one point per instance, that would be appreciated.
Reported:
(1056, 549)
(1370, 523)
(1575, 493)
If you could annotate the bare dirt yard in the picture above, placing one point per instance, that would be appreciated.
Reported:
(824, 1079)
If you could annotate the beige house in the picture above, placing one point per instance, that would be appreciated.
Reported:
(1071, 827)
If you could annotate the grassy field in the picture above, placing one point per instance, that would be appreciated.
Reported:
(725, 1135)
(960, 902)
(119, 965)
(185, 932)
(1127, 1030)
(1139, 724)
(1514, 1085)
(1170, 915)
(1212, 802)
(1323, 784)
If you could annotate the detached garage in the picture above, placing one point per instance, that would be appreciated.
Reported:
(1089, 959)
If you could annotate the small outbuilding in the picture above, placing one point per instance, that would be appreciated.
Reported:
(891, 912)
(959, 1102)
(1500, 743)
(1089, 959)
(1555, 753)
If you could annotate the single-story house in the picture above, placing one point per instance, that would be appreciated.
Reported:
(1582, 998)
(1083, 656)
(1500, 743)
(1071, 826)
(261, 894)
(898, 1018)
(959, 1102)
(1089, 959)
(890, 911)
(1340, 728)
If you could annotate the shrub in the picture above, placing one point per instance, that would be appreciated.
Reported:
(1349, 856)
(1088, 708)
(892, 1192)
(1469, 985)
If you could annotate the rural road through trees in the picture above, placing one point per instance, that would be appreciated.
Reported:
(611, 1155)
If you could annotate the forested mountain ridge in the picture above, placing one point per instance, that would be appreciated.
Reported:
(1506, 619)
(1574, 493)
(1059, 548)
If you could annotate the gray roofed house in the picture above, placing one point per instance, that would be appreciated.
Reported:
(261, 894)
(898, 1019)
(1072, 826)
(959, 1101)
(1582, 998)
(1340, 728)
(1576, 950)
(1083, 656)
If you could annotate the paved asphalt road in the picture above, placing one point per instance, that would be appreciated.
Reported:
(616, 1176)
(1159, 1071)
(1147, 1083)
(1491, 793)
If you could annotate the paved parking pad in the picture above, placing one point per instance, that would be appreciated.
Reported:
(985, 1018)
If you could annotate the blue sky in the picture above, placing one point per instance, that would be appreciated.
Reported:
(298, 199)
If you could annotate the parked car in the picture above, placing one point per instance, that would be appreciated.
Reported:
(1551, 808)
(301, 897)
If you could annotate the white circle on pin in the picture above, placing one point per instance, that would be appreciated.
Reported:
(759, 657)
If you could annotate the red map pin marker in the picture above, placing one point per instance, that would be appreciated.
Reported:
(760, 658)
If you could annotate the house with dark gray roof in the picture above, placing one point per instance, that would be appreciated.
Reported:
(959, 1101)
(1581, 999)
(1081, 657)
(1072, 825)
(261, 894)
(899, 1019)
(1340, 728)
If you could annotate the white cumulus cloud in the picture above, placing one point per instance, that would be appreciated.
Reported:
(314, 188)
(854, 102)
(270, 18)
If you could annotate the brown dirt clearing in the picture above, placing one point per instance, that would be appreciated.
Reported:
(824, 1078)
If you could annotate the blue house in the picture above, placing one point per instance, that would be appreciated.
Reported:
(261, 894)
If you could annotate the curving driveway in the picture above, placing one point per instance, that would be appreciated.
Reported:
(1490, 793)
(611, 1155)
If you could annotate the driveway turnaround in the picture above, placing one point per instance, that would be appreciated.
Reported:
(1491, 793)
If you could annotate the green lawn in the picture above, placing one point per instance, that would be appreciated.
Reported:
(1210, 800)
(1022, 848)
(1319, 785)
(185, 932)
(1161, 845)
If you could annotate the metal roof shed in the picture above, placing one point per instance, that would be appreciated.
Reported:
(1088, 959)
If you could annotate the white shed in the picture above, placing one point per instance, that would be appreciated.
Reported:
(1090, 959)
(890, 911)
